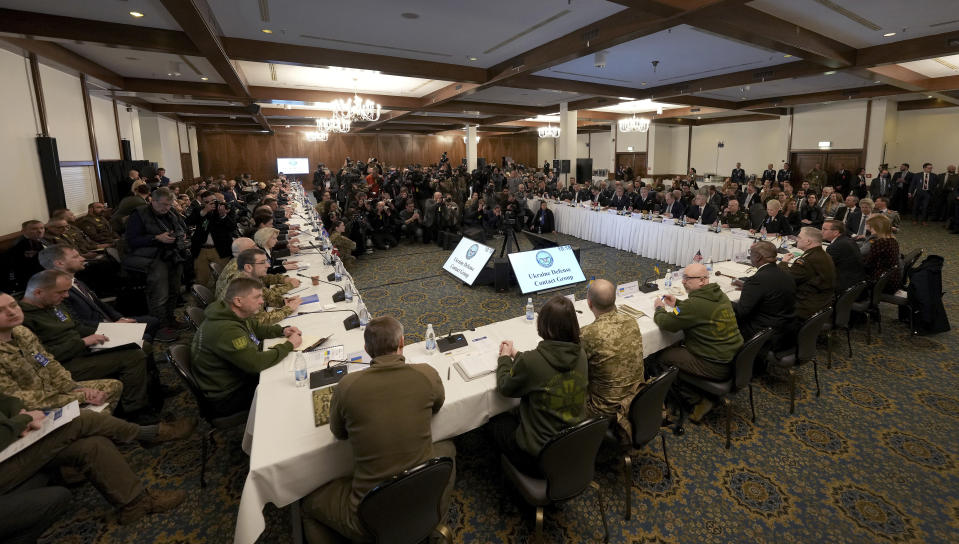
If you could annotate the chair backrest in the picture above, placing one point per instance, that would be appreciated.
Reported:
(880, 286)
(747, 356)
(910, 259)
(203, 295)
(215, 270)
(569, 459)
(406, 508)
(179, 357)
(843, 307)
(195, 315)
(809, 332)
(646, 408)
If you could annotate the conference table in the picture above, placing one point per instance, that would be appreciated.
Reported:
(290, 456)
(660, 240)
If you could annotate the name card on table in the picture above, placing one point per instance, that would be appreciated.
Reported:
(701, 226)
(630, 288)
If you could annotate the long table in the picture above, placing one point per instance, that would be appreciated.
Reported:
(663, 241)
(290, 457)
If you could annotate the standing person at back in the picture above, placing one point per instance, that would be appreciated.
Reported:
(385, 412)
(614, 351)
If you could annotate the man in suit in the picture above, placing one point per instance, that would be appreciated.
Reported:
(901, 182)
(620, 200)
(751, 197)
(845, 255)
(882, 185)
(842, 180)
(769, 174)
(739, 175)
(850, 214)
(924, 185)
(673, 207)
(543, 222)
(813, 272)
(768, 297)
(645, 200)
(431, 217)
(701, 212)
(882, 206)
(948, 181)
(784, 174)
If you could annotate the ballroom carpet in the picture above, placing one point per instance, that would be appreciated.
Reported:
(874, 459)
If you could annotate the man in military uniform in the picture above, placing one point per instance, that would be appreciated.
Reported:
(813, 271)
(254, 264)
(816, 178)
(614, 351)
(344, 246)
(784, 174)
(96, 226)
(226, 354)
(58, 232)
(276, 284)
(734, 217)
(738, 175)
(769, 174)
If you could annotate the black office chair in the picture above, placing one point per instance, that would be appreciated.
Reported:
(908, 263)
(179, 357)
(195, 316)
(871, 306)
(645, 418)
(805, 351)
(202, 294)
(841, 315)
(568, 460)
(407, 508)
(742, 377)
(215, 270)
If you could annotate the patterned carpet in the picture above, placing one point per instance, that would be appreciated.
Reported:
(873, 460)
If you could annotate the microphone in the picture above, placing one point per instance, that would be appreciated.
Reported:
(340, 295)
(648, 285)
(349, 323)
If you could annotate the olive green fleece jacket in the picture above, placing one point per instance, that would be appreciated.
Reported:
(551, 381)
(12, 422)
(226, 349)
(708, 323)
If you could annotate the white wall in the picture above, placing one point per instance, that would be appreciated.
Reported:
(22, 182)
(926, 136)
(195, 155)
(170, 142)
(754, 144)
(636, 140)
(105, 126)
(546, 150)
(130, 130)
(678, 138)
(150, 138)
(66, 119)
(599, 149)
(843, 124)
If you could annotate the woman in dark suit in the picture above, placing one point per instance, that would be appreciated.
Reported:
(810, 215)
(775, 222)
(543, 222)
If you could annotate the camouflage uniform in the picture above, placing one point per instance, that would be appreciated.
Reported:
(97, 228)
(815, 275)
(817, 179)
(30, 373)
(738, 220)
(73, 237)
(345, 247)
(614, 350)
(272, 294)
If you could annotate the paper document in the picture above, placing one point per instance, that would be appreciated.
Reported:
(54, 420)
(309, 299)
(120, 334)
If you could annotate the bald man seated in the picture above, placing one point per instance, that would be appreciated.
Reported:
(712, 336)
(614, 352)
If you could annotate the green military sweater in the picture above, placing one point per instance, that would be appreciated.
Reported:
(59, 332)
(226, 349)
(12, 422)
(708, 323)
(551, 381)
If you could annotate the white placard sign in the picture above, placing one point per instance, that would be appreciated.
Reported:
(547, 268)
(468, 259)
(630, 288)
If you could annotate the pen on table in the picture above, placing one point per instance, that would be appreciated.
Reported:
(449, 372)
(480, 338)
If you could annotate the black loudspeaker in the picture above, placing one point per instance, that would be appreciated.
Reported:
(584, 169)
(50, 171)
(501, 270)
(556, 166)
(127, 151)
(480, 163)
(565, 167)
(254, 109)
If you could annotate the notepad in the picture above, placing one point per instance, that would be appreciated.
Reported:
(53, 421)
(310, 299)
(120, 334)
(475, 367)
(629, 310)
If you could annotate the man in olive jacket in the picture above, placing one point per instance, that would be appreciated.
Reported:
(814, 272)
(226, 354)
(712, 336)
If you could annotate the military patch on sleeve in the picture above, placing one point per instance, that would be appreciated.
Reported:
(240, 342)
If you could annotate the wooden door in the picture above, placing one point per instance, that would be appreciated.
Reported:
(637, 161)
(805, 161)
(186, 164)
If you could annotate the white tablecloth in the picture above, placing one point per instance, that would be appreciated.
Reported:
(290, 457)
(661, 241)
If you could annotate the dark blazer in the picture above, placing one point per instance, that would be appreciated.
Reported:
(738, 175)
(876, 189)
(768, 299)
(917, 180)
(752, 197)
(768, 174)
(646, 205)
(543, 222)
(221, 229)
(22, 262)
(89, 310)
(852, 219)
(676, 209)
(813, 214)
(784, 175)
(620, 202)
(708, 212)
(843, 180)
(848, 260)
(776, 225)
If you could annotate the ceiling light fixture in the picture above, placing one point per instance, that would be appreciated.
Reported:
(136, 14)
(787, 56)
(266, 31)
(659, 110)
(633, 124)
(472, 59)
(317, 136)
(549, 131)
(204, 78)
(888, 34)
(626, 98)
(333, 124)
(356, 109)
(829, 73)
(477, 139)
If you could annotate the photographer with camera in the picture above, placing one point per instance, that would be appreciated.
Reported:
(493, 222)
(411, 222)
(382, 224)
(214, 226)
(359, 226)
(432, 217)
(159, 247)
(451, 215)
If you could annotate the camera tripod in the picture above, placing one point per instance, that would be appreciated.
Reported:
(509, 235)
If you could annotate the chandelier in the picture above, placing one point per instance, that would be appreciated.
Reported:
(333, 124)
(549, 131)
(317, 136)
(634, 124)
(356, 109)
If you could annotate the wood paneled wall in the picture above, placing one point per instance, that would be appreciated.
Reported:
(231, 154)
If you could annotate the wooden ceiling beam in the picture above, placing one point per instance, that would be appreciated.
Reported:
(62, 56)
(184, 88)
(825, 96)
(937, 45)
(265, 94)
(907, 80)
(924, 104)
(201, 110)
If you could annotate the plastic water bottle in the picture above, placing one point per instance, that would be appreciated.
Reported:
(299, 370)
(338, 270)
(669, 278)
(709, 268)
(530, 311)
(763, 233)
(364, 315)
(430, 339)
(348, 291)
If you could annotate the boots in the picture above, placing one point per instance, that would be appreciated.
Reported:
(149, 502)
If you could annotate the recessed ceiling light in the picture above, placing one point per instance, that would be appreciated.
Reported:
(643, 83)
(829, 73)
(928, 96)
(625, 98)
(409, 15)
(888, 34)
(472, 59)
(787, 56)
(136, 14)
(267, 31)
(205, 78)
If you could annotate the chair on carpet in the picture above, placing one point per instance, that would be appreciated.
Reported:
(568, 461)
(871, 306)
(841, 315)
(215, 270)
(179, 357)
(645, 418)
(202, 294)
(742, 377)
(803, 352)
(391, 517)
(908, 263)
(195, 316)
